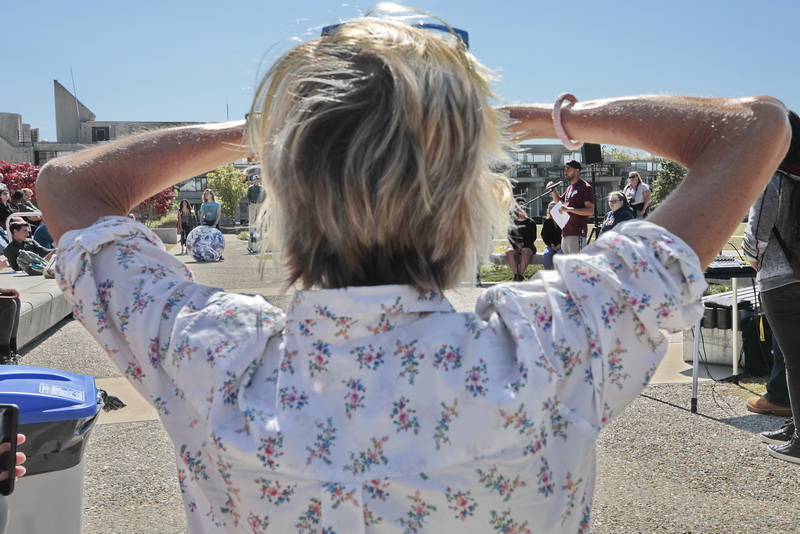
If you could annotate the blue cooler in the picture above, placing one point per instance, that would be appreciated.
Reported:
(58, 410)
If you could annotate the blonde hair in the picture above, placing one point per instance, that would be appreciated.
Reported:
(210, 192)
(550, 207)
(378, 143)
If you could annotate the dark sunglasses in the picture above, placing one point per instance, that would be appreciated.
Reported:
(462, 35)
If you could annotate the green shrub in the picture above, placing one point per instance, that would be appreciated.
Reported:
(170, 220)
(713, 289)
(502, 273)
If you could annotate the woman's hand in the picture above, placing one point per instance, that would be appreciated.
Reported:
(19, 469)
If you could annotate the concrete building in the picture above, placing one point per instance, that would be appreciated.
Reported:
(16, 139)
(77, 128)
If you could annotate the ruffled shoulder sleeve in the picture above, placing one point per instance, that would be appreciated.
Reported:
(169, 335)
(593, 325)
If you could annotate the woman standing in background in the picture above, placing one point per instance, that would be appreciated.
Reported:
(186, 222)
(638, 194)
(210, 209)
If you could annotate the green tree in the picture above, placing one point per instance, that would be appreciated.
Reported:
(230, 186)
(627, 154)
(669, 176)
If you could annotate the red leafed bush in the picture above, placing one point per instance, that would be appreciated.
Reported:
(19, 175)
(155, 207)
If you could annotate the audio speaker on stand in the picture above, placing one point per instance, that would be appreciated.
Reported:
(592, 154)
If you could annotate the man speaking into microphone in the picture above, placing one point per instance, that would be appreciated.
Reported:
(578, 202)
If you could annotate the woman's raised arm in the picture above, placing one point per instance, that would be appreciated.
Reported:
(75, 190)
(730, 147)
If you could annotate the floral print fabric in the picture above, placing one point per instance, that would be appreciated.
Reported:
(381, 409)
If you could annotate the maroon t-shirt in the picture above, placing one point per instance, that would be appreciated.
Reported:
(576, 196)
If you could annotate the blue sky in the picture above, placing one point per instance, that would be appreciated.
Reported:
(175, 60)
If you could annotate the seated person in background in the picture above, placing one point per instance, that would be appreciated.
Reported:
(20, 232)
(521, 236)
(42, 236)
(620, 211)
(19, 204)
(27, 200)
(6, 208)
(9, 324)
(551, 235)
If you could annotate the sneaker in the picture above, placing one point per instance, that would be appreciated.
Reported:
(763, 406)
(789, 451)
(782, 435)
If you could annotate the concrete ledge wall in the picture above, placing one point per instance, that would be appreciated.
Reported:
(43, 305)
(42, 308)
(168, 236)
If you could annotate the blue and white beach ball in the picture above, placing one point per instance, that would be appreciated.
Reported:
(205, 243)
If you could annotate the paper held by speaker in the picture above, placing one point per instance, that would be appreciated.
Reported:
(592, 154)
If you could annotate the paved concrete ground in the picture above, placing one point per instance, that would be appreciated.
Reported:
(661, 468)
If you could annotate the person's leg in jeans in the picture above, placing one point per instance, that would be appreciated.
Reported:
(777, 388)
(782, 307)
(547, 258)
(9, 323)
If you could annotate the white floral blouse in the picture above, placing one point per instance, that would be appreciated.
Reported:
(381, 409)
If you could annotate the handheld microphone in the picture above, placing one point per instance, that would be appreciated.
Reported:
(550, 189)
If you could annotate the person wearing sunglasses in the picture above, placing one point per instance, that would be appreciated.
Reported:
(619, 212)
(370, 404)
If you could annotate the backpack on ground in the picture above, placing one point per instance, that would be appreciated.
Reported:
(791, 246)
(31, 263)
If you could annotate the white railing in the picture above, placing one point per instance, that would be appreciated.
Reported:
(20, 214)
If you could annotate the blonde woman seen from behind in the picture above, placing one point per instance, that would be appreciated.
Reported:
(370, 396)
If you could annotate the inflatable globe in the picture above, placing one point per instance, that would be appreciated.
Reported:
(205, 243)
